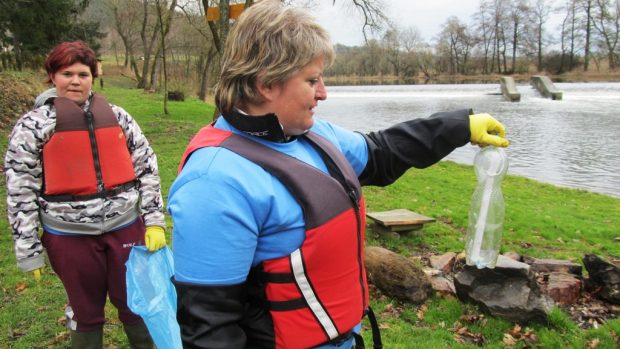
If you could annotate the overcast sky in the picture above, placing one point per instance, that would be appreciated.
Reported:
(345, 25)
(425, 15)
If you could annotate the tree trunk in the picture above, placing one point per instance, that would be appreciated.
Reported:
(134, 67)
(515, 38)
(153, 83)
(204, 79)
(586, 55)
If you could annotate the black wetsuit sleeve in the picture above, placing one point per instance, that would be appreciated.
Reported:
(416, 143)
(210, 316)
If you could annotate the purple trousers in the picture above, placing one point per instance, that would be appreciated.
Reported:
(92, 267)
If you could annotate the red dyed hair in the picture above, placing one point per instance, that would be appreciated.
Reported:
(69, 53)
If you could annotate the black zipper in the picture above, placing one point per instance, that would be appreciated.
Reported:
(358, 220)
(93, 146)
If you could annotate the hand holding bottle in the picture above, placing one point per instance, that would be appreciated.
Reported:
(486, 130)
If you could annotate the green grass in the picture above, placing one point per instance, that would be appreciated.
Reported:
(557, 222)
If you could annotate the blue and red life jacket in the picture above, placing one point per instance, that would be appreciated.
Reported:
(319, 292)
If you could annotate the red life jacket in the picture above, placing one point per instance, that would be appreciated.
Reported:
(319, 292)
(87, 156)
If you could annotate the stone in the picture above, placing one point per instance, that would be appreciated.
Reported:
(509, 291)
(553, 265)
(396, 276)
(444, 262)
(513, 255)
(563, 288)
(443, 285)
(604, 278)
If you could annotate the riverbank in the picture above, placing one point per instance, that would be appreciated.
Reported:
(542, 220)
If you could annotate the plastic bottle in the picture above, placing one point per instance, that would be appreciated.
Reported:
(486, 214)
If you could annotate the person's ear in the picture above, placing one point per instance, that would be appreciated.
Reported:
(52, 79)
(265, 91)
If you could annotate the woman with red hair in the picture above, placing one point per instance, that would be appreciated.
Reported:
(81, 169)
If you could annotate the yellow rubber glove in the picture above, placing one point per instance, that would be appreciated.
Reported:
(37, 274)
(485, 130)
(154, 238)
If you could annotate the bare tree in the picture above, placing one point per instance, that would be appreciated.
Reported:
(370, 11)
(426, 60)
(164, 28)
(569, 35)
(164, 21)
(195, 15)
(607, 24)
(518, 14)
(148, 34)
(411, 42)
(373, 15)
(485, 32)
(587, 11)
(541, 10)
(125, 14)
(391, 45)
(459, 42)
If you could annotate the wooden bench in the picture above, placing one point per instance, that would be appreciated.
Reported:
(399, 221)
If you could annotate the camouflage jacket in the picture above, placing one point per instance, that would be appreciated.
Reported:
(24, 176)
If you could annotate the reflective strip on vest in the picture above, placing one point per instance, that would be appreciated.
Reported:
(308, 293)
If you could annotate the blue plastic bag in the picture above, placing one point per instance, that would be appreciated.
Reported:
(151, 294)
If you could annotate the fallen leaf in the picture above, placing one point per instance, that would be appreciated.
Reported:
(20, 287)
(14, 334)
(509, 340)
(61, 337)
(421, 312)
(516, 330)
(593, 343)
(472, 318)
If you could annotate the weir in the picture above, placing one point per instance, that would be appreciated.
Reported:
(546, 88)
(509, 89)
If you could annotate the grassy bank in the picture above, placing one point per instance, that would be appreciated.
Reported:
(542, 221)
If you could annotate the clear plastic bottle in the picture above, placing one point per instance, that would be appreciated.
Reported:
(486, 214)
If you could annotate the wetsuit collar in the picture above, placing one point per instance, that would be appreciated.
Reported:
(263, 126)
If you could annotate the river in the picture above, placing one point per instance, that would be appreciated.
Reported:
(573, 142)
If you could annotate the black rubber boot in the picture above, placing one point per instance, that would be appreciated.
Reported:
(87, 340)
(139, 337)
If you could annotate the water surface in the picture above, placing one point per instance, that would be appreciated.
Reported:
(573, 142)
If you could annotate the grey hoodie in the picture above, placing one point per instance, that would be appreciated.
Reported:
(44, 97)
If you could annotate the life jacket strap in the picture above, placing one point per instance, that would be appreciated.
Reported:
(376, 333)
(292, 304)
(276, 278)
(99, 195)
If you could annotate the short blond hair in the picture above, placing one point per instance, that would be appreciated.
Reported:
(269, 41)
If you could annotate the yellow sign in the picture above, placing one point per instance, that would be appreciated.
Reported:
(234, 11)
